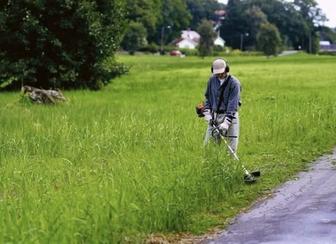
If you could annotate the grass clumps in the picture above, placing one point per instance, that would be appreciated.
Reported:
(118, 165)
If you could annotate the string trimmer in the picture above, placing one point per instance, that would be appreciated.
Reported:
(249, 177)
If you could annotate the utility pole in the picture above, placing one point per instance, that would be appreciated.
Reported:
(310, 42)
(241, 41)
(162, 38)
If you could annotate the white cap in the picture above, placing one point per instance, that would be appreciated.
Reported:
(218, 66)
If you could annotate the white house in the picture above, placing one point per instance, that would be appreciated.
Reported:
(191, 35)
(219, 41)
(189, 39)
(326, 46)
(325, 43)
(187, 43)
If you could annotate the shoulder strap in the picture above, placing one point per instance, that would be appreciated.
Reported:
(226, 82)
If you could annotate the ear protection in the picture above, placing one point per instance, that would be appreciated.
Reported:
(227, 67)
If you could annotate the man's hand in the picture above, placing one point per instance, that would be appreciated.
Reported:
(207, 115)
(223, 127)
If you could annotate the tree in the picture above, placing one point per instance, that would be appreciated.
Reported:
(284, 16)
(268, 39)
(235, 24)
(174, 14)
(313, 16)
(207, 38)
(254, 18)
(60, 43)
(310, 11)
(145, 12)
(135, 37)
(203, 9)
(297, 21)
(327, 34)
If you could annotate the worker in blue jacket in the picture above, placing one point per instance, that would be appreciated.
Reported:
(222, 101)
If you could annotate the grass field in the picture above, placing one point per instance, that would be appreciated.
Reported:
(116, 165)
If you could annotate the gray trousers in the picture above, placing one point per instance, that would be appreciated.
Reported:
(231, 136)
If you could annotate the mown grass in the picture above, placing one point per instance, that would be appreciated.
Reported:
(116, 165)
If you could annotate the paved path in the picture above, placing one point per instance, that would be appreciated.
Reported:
(288, 52)
(301, 211)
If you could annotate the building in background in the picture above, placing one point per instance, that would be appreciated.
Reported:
(189, 39)
(326, 46)
(220, 16)
(219, 41)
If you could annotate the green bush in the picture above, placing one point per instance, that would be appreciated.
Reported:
(135, 37)
(150, 48)
(115, 69)
(269, 39)
(218, 48)
(60, 43)
(236, 52)
(327, 53)
(189, 52)
(207, 34)
(169, 48)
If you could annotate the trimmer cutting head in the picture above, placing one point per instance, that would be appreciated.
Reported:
(255, 173)
(251, 177)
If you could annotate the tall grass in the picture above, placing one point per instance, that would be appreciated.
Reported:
(115, 165)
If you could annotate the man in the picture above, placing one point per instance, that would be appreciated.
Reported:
(222, 100)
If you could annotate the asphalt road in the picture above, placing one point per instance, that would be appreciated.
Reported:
(300, 211)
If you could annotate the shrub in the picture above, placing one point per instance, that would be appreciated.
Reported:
(135, 37)
(269, 40)
(150, 48)
(207, 38)
(60, 43)
(189, 52)
(168, 48)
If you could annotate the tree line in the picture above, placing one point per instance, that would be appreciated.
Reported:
(297, 23)
(264, 25)
(71, 44)
(153, 23)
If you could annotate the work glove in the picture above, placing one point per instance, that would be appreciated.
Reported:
(207, 115)
(223, 127)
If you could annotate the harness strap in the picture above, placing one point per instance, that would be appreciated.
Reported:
(223, 87)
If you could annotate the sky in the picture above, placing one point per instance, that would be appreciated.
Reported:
(328, 7)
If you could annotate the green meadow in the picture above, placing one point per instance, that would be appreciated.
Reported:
(117, 165)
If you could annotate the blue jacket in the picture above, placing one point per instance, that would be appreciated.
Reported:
(231, 96)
